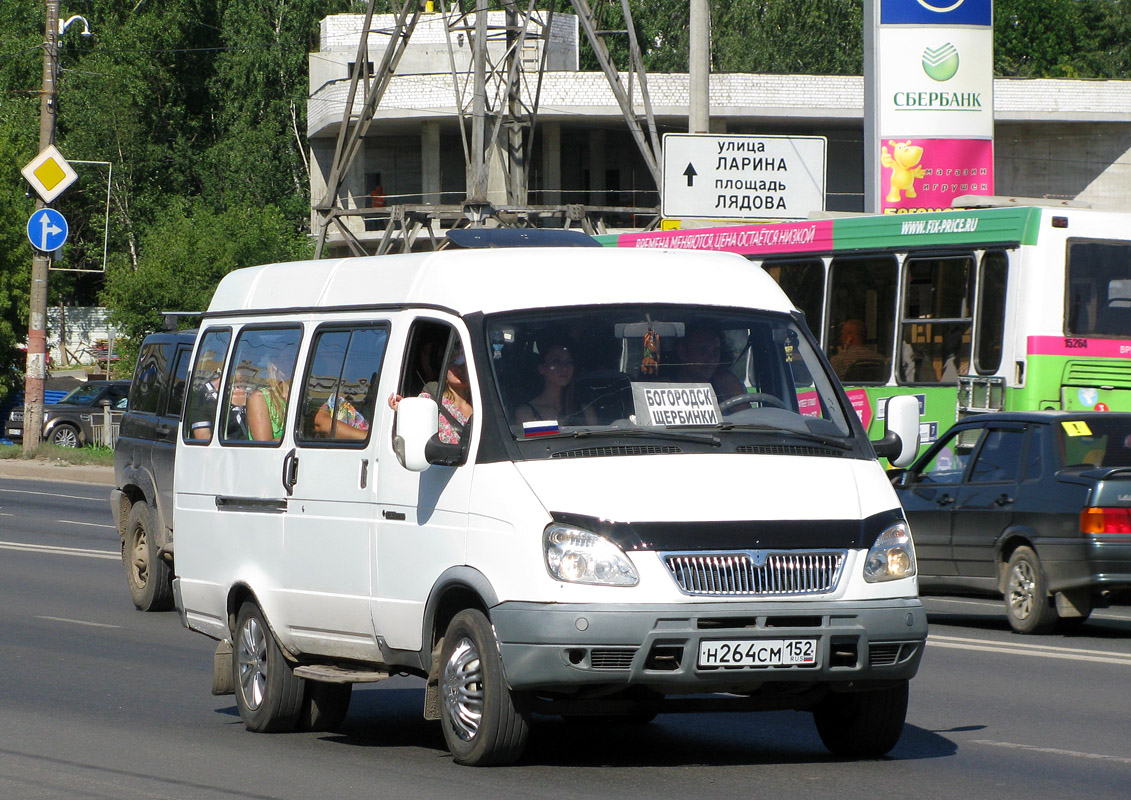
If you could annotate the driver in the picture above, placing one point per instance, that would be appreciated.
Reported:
(699, 360)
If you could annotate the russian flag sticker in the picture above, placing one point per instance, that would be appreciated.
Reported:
(539, 427)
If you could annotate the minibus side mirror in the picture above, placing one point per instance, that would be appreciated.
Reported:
(417, 423)
(900, 444)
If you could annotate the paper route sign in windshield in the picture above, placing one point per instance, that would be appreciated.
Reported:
(675, 404)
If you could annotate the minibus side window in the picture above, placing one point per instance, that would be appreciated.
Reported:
(339, 394)
(257, 392)
(434, 354)
(204, 386)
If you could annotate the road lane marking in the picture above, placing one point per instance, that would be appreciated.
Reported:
(1031, 650)
(90, 524)
(1056, 751)
(79, 622)
(53, 494)
(81, 552)
(990, 604)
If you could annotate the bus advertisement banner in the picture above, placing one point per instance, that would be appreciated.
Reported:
(928, 174)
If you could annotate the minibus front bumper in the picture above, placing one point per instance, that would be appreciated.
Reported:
(560, 647)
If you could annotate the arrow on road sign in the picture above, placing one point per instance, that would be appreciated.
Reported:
(690, 173)
(47, 229)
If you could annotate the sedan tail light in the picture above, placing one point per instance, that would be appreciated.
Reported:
(1105, 520)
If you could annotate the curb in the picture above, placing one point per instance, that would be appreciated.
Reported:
(48, 471)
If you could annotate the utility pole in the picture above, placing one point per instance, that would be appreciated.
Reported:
(41, 262)
(699, 68)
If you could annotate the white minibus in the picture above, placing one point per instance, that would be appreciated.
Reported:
(570, 481)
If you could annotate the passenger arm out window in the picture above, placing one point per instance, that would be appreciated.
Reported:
(339, 398)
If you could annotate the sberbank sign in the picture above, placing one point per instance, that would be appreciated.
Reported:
(950, 101)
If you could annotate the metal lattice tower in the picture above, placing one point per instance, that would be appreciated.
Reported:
(497, 105)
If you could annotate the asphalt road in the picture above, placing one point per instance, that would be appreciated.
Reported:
(98, 700)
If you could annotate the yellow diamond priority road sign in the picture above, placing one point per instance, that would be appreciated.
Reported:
(49, 174)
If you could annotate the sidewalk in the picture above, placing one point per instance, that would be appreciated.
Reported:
(47, 471)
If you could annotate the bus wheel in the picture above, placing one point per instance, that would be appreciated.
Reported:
(147, 574)
(268, 695)
(1028, 604)
(862, 724)
(484, 722)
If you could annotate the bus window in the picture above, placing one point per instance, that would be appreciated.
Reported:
(935, 329)
(862, 318)
(804, 284)
(991, 312)
(1099, 292)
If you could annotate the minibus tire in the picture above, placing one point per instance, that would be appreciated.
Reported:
(862, 724)
(148, 576)
(324, 706)
(484, 722)
(268, 694)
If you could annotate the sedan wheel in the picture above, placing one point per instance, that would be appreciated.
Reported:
(1027, 602)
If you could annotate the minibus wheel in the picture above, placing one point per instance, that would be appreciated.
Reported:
(147, 574)
(484, 722)
(268, 694)
(862, 724)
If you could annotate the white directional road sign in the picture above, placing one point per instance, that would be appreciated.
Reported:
(47, 229)
(710, 176)
(49, 174)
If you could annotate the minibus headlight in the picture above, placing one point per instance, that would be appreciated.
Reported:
(578, 556)
(892, 556)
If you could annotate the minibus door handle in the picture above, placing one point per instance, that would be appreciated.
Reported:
(290, 472)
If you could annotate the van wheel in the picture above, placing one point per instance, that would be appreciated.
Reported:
(862, 724)
(324, 706)
(484, 722)
(147, 574)
(1028, 604)
(268, 695)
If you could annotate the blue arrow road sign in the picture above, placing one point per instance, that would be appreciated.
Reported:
(47, 230)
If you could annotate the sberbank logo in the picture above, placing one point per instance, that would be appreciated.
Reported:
(941, 63)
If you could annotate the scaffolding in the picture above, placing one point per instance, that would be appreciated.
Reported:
(497, 106)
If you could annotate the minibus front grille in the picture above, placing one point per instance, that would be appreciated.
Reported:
(756, 573)
(633, 450)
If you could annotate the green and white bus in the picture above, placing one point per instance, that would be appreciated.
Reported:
(1006, 308)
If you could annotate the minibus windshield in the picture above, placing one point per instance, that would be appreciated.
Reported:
(702, 373)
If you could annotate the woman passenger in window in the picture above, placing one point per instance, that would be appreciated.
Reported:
(557, 399)
(267, 406)
(455, 406)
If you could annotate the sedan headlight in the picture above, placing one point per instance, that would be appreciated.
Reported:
(892, 556)
(577, 556)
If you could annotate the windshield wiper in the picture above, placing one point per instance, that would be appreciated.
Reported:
(813, 437)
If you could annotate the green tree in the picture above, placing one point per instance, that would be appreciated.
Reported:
(186, 251)
(1042, 38)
